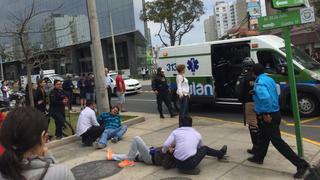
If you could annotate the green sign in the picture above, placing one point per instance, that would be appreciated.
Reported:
(277, 4)
(290, 18)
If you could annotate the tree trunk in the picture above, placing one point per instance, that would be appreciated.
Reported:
(30, 89)
(171, 33)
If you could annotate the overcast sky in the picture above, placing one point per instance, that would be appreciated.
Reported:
(195, 35)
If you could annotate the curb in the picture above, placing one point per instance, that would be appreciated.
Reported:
(73, 138)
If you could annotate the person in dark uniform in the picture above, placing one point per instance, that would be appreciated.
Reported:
(40, 96)
(90, 95)
(82, 87)
(266, 101)
(161, 89)
(68, 90)
(246, 83)
(57, 102)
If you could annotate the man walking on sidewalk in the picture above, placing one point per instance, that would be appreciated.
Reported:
(88, 127)
(267, 108)
(58, 101)
(161, 89)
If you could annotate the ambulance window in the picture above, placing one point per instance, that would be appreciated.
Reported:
(270, 60)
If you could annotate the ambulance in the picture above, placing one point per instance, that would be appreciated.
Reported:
(213, 68)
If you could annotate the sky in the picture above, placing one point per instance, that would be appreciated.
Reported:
(195, 35)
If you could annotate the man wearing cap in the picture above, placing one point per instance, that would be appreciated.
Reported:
(161, 89)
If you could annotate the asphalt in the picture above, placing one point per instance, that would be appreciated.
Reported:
(215, 133)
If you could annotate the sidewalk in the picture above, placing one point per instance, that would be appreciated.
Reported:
(215, 133)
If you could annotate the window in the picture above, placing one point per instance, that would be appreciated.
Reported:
(271, 61)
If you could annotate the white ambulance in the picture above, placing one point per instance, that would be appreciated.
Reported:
(214, 67)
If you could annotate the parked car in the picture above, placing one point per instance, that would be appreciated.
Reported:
(132, 85)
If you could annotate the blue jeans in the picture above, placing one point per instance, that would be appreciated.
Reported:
(91, 96)
(184, 106)
(112, 133)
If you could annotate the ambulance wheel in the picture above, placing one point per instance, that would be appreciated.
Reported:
(308, 105)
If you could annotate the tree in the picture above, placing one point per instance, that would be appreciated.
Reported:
(19, 31)
(176, 17)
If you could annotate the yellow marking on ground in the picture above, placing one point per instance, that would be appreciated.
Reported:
(310, 120)
(304, 139)
(282, 132)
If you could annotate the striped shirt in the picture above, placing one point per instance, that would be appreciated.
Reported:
(110, 121)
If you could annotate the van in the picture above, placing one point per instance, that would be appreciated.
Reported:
(213, 69)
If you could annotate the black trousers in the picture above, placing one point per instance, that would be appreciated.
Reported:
(254, 134)
(59, 119)
(193, 161)
(109, 96)
(91, 135)
(163, 97)
(271, 132)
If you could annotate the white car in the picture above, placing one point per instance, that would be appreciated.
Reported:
(132, 85)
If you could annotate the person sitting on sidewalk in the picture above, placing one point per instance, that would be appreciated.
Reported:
(189, 149)
(112, 128)
(140, 152)
(88, 127)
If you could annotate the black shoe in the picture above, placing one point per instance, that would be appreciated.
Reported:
(250, 151)
(161, 116)
(301, 171)
(194, 171)
(173, 115)
(254, 160)
(223, 151)
(58, 137)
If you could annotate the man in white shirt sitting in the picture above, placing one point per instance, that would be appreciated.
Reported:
(88, 127)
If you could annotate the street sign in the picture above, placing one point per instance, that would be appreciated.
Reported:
(284, 19)
(278, 4)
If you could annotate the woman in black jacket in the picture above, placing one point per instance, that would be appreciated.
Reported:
(40, 96)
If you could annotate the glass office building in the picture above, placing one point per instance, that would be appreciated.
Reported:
(64, 26)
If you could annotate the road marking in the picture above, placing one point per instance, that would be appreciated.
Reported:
(305, 139)
(310, 120)
(142, 100)
(282, 132)
(301, 122)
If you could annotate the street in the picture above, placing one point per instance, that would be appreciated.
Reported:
(146, 102)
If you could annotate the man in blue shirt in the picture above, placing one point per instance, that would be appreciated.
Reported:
(112, 128)
(266, 101)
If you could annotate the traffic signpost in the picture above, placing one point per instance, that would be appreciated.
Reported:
(279, 4)
(284, 20)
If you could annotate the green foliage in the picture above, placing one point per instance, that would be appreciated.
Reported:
(175, 16)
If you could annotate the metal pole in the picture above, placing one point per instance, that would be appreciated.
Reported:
(2, 78)
(113, 43)
(98, 65)
(293, 90)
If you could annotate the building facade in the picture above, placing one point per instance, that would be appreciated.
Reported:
(67, 29)
(226, 18)
(210, 30)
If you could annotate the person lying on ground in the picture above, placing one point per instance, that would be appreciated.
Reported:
(88, 127)
(189, 149)
(140, 152)
(24, 136)
(112, 128)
